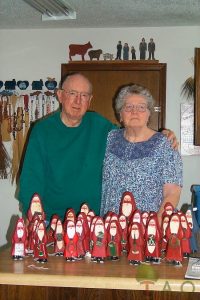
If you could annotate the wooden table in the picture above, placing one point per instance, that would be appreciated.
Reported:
(58, 279)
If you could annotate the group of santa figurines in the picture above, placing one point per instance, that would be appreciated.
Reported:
(133, 233)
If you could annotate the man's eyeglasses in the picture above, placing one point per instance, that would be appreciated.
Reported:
(138, 108)
(74, 94)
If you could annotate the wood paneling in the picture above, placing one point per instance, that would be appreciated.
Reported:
(108, 76)
(10, 292)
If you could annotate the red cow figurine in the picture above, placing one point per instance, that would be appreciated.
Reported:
(79, 49)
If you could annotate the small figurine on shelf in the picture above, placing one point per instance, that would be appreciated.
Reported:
(127, 205)
(19, 240)
(151, 48)
(95, 54)
(185, 242)
(69, 215)
(152, 238)
(145, 216)
(114, 217)
(80, 242)
(133, 53)
(136, 244)
(114, 241)
(174, 234)
(126, 51)
(31, 234)
(168, 209)
(137, 218)
(92, 233)
(164, 225)
(119, 50)
(86, 231)
(51, 230)
(70, 238)
(107, 218)
(143, 49)
(59, 245)
(85, 208)
(79, 49)
(99, 239)
(40, 250)
(124, 233)
(35, 208)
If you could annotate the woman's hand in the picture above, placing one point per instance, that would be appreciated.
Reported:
(171, 137)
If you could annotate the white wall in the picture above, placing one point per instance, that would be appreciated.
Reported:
(35, 54)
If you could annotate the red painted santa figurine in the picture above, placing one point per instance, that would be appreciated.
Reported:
(174, 234)
(136, 244)
(51, 230)
(59, 245)
(152, 240)
(99, 239)
(70, 238)
(80, 231)
(127, 205)
(35, 208)
(113, 241)
(19, 240)
(187, 233)
(40, 240)
(85, 208)
(124, 233)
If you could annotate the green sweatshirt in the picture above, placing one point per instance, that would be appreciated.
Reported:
(64, 164)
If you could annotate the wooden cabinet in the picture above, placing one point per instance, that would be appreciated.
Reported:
(108, 76)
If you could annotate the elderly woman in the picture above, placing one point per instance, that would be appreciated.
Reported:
(139, 159)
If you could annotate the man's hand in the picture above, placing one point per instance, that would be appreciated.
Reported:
(171, 137)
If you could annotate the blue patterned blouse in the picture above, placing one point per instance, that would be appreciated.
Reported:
(141, 168)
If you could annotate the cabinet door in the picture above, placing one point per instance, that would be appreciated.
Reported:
(108, 76)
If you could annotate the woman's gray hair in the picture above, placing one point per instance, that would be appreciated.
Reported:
(133, 89)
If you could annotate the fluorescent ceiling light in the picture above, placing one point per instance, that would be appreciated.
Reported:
(53, 9)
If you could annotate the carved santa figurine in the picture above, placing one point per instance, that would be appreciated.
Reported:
(168, 209)
(59, 245)
(31, 233)
(19, 240)
(165, 222)
(136, 244)
(152, 240)
(89, 220)
(185, 242)
(137, 218)
(174, 234)
(107, 218)
(124, 233)
(91, 233)
(85, 208)
(35, 208)
(86, 241)
(127, 205)
(69, 215)
(51, 230)
(113, 241)
(40, 237)
(99, 239)
(80, 231)
(145, 216)
(114, 217)
(70, 238)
